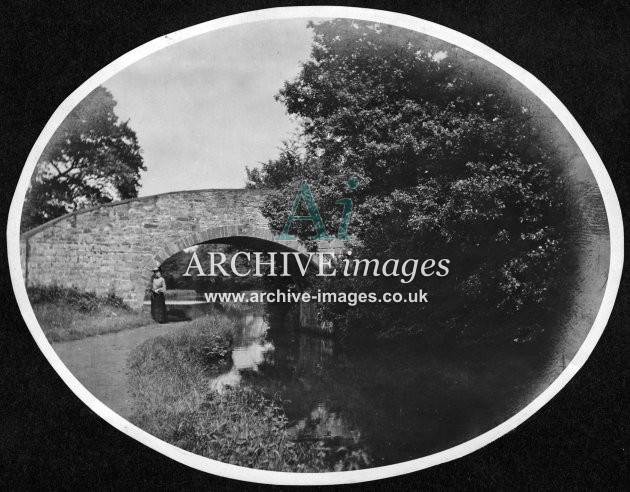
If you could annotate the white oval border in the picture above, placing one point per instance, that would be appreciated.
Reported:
(604, 182)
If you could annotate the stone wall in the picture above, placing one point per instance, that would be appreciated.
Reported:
(111, 248)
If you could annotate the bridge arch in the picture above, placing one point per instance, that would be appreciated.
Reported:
(111, 248)
(245, 235)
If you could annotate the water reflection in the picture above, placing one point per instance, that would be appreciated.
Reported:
(392, 403)
(249, 351)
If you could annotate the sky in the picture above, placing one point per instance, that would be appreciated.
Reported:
(204, 108)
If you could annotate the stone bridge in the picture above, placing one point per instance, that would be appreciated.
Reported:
(112, 248)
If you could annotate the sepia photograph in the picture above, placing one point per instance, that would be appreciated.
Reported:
(315, 244)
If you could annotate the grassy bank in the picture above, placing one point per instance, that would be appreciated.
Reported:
(170, 378)
(69, 314)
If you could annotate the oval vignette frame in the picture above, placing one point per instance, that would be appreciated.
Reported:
(604, 183)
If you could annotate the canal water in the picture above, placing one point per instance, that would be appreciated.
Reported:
(388, 404)
(400, 402)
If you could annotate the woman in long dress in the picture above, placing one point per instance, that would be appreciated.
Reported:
(158, 301)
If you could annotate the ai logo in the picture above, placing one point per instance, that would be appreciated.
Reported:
(304, 193)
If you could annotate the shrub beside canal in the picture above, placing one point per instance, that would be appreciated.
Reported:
(70, 314)
(170, 378)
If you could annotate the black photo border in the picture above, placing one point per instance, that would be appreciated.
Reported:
(51, 440)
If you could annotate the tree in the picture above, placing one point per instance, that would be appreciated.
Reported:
(448, 167)
(92, 158)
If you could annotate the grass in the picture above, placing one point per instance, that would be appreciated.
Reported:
(62, 322)
(69, 314)
(170, 379)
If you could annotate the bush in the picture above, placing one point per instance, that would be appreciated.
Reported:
(171, 381)
(70, 314)
(86, 302)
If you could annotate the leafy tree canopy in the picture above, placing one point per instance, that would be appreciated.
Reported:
(448, 167)
(92, 158)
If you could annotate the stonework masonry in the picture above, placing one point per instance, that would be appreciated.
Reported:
(111, 248)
